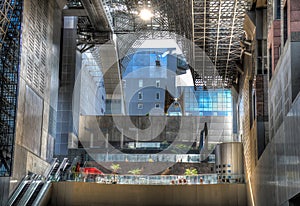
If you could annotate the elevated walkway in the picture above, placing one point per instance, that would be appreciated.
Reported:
(62, 186)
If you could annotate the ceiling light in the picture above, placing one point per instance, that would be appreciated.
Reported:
(145, 14)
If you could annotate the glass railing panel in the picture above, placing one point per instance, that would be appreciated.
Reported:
(156, 179)
(187, 158)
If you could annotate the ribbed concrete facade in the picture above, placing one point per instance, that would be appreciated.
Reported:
(37, 86)
(37, 90)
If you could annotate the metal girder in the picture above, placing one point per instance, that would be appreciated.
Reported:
(74, 12)
(6, 8)
(11, 15)
(96, 14)
(94, 26)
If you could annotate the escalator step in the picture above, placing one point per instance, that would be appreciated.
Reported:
(16, 202)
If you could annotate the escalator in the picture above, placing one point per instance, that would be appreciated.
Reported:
(22, 189)
(19, 197)
(42, 195)
(54, 171)
(33, 188)
(58, 170)
(35, 194)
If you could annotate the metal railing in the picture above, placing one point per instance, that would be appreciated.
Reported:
(185, 158)
(155, 179)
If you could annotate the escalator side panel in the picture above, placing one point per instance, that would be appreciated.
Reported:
(18, 190)
(29, 192)
(35, 194)
(21, 194)
(44, 195)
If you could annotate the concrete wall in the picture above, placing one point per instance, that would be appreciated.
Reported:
(88, 96)
(80, 193)
(276, 176)
(39, 65)
(37, 90)
(54, 84)
(275, 179)
(4, 189)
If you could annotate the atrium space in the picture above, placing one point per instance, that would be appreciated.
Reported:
(149, 102)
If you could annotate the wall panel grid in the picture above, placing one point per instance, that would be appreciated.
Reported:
(10, 24)
(35, 43)
(280, 96)
(247, 136)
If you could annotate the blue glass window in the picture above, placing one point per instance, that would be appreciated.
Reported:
(215, 102)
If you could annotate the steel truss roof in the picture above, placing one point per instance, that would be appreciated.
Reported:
(214, 26)
(171, 19)
(218, 29)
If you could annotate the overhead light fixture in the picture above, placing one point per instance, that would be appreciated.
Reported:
(146, 14)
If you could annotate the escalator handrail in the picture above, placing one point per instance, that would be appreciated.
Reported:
(66, 165)
(60, 168)
(18, 190)
(50, 168)
(42, 193)
(29, 179)
(50, 176)
(30, 191)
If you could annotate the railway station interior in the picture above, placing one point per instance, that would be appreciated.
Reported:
(150, 102)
